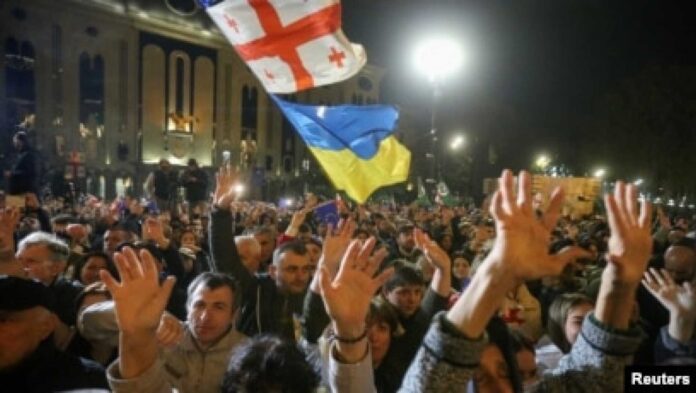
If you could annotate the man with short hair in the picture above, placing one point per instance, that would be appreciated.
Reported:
(249, 251)
(269, 300)
(197, 361)
(29, 360)
(44, 258)
(680, 261)
(405, 247)
(415, 306)
(114, 236)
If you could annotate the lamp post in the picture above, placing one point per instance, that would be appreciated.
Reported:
(436, 58)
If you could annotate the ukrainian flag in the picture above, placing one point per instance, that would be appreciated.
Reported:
(354, 144)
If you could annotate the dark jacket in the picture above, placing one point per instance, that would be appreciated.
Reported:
(23, 174)
(65, 292)
(165, 184)
(264, 309)
(50, 370)
(403, 349)
(195, 182)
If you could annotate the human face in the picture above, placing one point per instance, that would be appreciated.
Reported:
(112, 239)
(21, 332)
(680, 262)
(210, 313)
(90, 271)
(493, 374)
(406, 241)
(314, 253)
(526, 362)
(267, 245)
(573, 322)
(291, 274)
(379, 335)
(37, 263)
(406, 299)
(188, 239)
(446, 243)
(460, 268)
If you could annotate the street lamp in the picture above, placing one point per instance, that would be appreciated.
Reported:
(600, 173)
(437, 58)
(457, 142)
(542, 162)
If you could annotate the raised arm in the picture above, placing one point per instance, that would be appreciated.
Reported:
(677, 338)
(347, 300)
(451, 349)
(314, 317)
(139, 302)
(223, 251)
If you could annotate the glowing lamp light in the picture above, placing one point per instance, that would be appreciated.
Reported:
(438, 57)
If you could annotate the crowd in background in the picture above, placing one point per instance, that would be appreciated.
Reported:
(227, 294)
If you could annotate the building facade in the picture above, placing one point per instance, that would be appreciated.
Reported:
(106, 88)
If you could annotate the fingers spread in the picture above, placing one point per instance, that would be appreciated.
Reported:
(554, 210)
(524, 193)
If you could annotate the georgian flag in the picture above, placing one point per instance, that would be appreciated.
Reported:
(290, 45)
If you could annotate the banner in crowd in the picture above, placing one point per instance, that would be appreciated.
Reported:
(355, 145)
(289, 45)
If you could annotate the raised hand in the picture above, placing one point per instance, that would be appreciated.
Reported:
(522, 243)
(169, 332)
(9, 218)
(347, 297)
(630, 243)
(435, 255)
(139, 298)
(154, 230)
(335, 245)
(680, 300)
(224, 193)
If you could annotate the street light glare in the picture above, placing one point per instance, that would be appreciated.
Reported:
(457, 142)
(542, 161)
(638, 182)
(438, 57)
(599, 173)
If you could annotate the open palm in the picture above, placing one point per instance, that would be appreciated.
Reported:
(678, 299)
(138, 298)
(347, 297)
(522, 242)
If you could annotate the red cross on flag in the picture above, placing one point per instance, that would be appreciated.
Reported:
(290, 45)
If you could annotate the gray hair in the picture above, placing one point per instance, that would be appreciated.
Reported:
(58, 248)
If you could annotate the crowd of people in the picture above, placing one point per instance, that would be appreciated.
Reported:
(232, 295)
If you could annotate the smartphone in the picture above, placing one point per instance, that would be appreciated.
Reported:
(19, 201)
(226, 157)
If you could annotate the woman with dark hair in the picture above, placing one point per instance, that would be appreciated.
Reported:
(88, 267)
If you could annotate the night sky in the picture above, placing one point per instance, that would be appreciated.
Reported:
(545, 64)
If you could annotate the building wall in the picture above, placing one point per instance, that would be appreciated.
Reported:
(138, 49)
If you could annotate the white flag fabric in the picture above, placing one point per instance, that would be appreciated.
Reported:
(290, 45)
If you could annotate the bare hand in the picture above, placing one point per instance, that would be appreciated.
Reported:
(630, 244)
(224, 193)
(435, 255)
(139, 299)
(169, 332)
(335, 245)
(9, 218)
(347, 297)
(522, 244)
(680, 300)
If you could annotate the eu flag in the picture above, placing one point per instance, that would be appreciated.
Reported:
(355, 145)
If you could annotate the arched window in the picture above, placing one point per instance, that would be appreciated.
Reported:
(20, 87)
(91, 94)
(250, 98)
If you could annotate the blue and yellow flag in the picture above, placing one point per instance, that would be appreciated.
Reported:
(354, 144)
